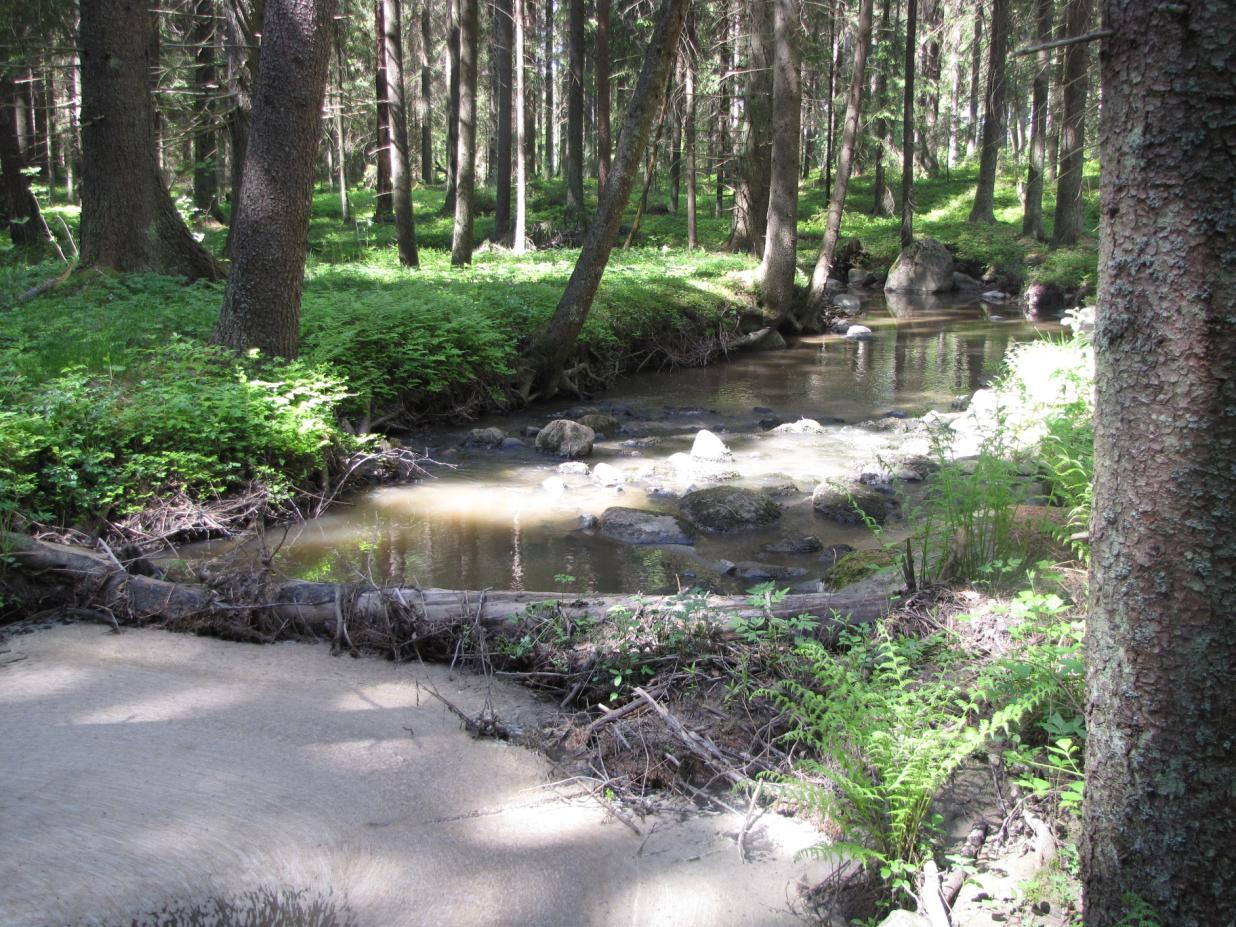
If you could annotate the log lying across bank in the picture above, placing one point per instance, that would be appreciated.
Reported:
(402, 621)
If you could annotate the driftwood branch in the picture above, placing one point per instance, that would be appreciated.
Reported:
(1070, 40)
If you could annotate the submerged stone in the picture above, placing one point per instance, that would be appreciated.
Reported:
(636, 526)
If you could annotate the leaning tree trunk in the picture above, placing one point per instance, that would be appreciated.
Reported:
(129, 222)
(818, 294)
(544, 358)
(776, 272)
(1032, 218)
(1160, 652)
(397, 151)
(993, 116)
(25, 219)
(261, 307)
(575, 111)
(465, 158)
(1068, 222)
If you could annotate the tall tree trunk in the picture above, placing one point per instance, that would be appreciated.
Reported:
(1160, 652)
(993, 115)
(501, 52)
(519, 233)
(465, 184)
(397, 152)
(341, 141)
(907, 129)
(550, 122)
(976, 69)
(751, 194)
(675, 144)
(545, 355)
(73, 148)
(929, 91)
(693, 237)
(205, 130)
(830, 140)
(883, 201)
(242, 23)
(1032, 219)
(1068, 222)
(452, 119)
(776, 271)
(36, 81)
(604, 142)
(261, 307)
(48, 104)
(723, 153)
(383, 194)
(575, 112)
(25, 220)
(424, 109)
(129, 222)
(817, 297)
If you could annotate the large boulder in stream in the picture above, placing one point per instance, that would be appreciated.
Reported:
(722, 509)
(843, 504)
(924, 266)
(636, 526)
(566, 439)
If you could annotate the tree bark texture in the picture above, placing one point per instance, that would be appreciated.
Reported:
(424, 110)
(383, 196)
(129, 222)
(817, 296)
(1160, 648)
(976, 69)
(25, 219)
(261, 306)
(1032, 218)
(452, 119)
(689, 104)
(242, 22)
(550, 118)
(465, 178)
(993, 115)
(519, 232)
(546, 354)
(907, 129)
(575, 111)
(397, 152)
(1067, 227)
(205, 129)
(777, 268)
(747, 224)
(501, 52)
(929, 89)
(604, 142)
(883, 202)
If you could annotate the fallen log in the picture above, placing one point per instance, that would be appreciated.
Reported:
(401, 621)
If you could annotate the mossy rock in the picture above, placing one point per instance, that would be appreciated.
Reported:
(723, 509)
(860, 564)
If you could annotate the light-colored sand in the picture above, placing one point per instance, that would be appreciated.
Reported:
(146, 766)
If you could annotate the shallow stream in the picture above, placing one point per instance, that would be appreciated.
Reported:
(506, 518)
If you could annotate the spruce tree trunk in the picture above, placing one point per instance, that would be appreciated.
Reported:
(205, 130)
(242, 22)
(341, 140)
(929, 90)
(722, 151)
(575, 112)
(747, 224)
(424, 109)
(520, 231)
(25, 219)
(604, 142)
(383, 197)
(883, 202)
(693, 237)
(818, 294)
(1068, 221)
(543, 359)
(452, 118)
(675, 144)
(1032, 219)
(1160, 652)
(976, 68)
(397, 153)
(907, 129)
(776, 271)
(465, 182)
(501, 53)
(550, 118)
(993, 116)
(129, 222)
(261, 306)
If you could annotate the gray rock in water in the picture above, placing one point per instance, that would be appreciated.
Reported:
(848, 303)
(512, 444)
(485, 437)
(761, 572)
(636, 526)
(708, 446)
(924, 266)
(566, 438)
(803, 545)
(601, 422)
(554, 485)
(573, 468)
(607, 475)
(804, 426)
(587, 521)
(530, 431)
(842, 505)
(858, 333)
(722, 509)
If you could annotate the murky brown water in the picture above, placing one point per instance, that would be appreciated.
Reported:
(493, 522)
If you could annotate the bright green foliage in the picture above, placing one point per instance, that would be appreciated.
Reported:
(889, 728)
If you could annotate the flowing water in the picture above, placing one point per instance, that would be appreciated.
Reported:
(505, 518)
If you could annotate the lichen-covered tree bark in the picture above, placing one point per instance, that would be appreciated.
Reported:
(543, 358)
(781, 230)
(993, 115)
(261, 307)
(129, 222)
(465, 157)
(1160, 640)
